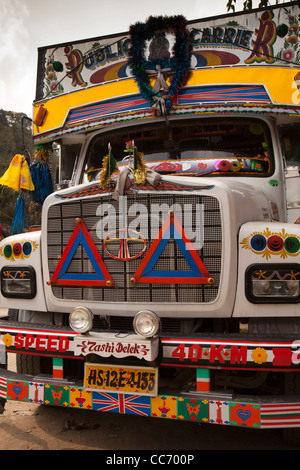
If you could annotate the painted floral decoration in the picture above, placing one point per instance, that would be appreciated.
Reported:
(53, 85)
(259, 355)
(7, 340)
(290, 52)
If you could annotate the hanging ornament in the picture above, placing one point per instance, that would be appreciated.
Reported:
(160, 62)
(17, 225)
(40, 173)
(18, 177)
(139, 167)
(110, 167)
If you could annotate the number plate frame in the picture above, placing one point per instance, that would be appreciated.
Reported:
(121, 379)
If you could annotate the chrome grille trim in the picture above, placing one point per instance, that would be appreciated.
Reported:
(61, 223)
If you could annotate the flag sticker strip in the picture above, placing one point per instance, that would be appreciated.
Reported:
(3, 387)
(280, 415)
(101, 277)
(122, 403)
(172, 228)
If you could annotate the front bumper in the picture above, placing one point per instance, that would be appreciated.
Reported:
(201, 354)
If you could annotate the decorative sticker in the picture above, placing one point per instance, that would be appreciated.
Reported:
(17, 390)
(242, 414)
(164, 407)
(57, 395)
(80, 398)
(188, 408)
(193, 409)
(268, 243)
(18, 250)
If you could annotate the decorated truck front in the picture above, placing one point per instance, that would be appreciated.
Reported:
(164, 280)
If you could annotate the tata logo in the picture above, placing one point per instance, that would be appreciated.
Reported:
(124, 244)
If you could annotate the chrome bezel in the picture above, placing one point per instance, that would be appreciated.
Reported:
(153, 317)
(89, 319)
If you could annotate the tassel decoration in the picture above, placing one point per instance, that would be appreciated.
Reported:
(40, 173)
(110, 167)
(42, 180)
(17, 225)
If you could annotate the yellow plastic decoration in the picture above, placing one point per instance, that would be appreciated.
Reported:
(110, 167)
(17, 176)
(140, 169)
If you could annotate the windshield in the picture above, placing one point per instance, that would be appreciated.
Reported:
(235, 146)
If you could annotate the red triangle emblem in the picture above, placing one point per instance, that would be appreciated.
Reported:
(146, 273)
(100, 277)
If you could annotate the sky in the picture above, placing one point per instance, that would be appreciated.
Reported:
(26, 25)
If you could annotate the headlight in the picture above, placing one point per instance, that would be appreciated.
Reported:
(146, 323)
(18, 282)
(81, 319)
(270, 283)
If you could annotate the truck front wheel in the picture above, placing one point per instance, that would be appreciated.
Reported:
(29, 365)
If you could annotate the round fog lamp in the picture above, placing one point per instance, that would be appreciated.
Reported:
(81, 319)
(146, 323)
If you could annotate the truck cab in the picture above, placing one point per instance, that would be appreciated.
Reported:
(166, 272)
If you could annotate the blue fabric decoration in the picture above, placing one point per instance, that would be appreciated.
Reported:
(42, 180)
(17, 225)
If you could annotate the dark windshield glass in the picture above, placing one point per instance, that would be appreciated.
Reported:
(191, 147)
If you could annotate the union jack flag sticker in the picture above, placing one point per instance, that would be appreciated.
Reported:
(122, 403)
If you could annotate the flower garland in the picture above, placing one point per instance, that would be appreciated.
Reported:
(178, 64)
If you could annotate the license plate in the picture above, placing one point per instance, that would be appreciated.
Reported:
(121, 379)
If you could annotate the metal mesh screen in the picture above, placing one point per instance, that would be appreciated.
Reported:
(199, 216)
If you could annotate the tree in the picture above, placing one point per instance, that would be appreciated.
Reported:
(12, 142)
(248, 4)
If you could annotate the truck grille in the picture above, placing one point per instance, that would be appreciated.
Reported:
(61, 224)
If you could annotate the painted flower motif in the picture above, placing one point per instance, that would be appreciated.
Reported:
(292, 40)
(51, 76)
(288, 54)
(53, 86)
(259, 355)
(235, 166)
(129, 145)
(294, 28)
(223, 165)
(7, 340)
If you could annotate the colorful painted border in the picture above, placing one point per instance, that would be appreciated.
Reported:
(189, 95)
(183, 408)
(194, 109)
(248, 354)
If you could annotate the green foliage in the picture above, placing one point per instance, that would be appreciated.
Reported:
(12, 142)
